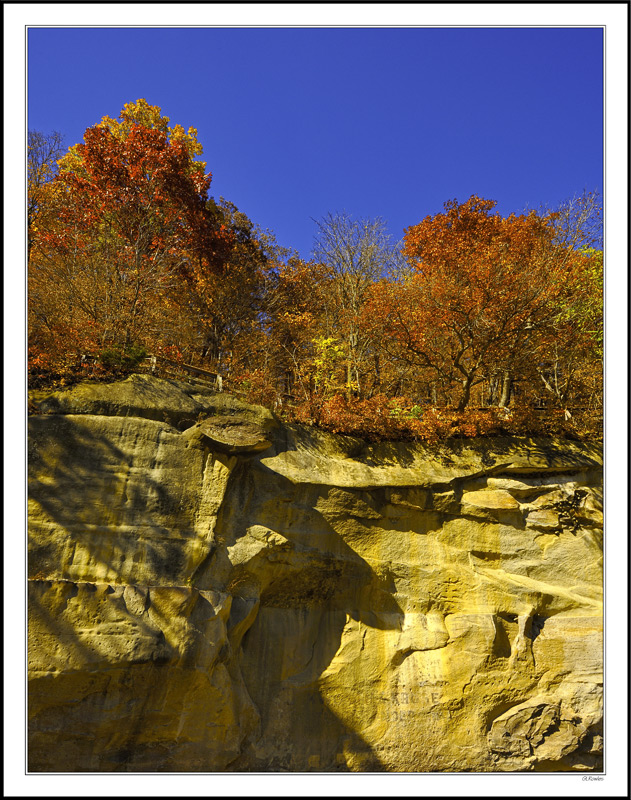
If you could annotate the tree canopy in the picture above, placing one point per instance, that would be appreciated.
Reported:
(475, 323)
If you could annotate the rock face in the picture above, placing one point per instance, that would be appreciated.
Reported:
(233, 594)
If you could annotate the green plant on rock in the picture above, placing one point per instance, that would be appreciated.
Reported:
(117, 359)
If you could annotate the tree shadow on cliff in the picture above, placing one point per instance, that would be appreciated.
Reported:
(48, 624)
(308, 595)
(110, 510)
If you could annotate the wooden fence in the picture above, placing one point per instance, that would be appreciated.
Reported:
(163, 367)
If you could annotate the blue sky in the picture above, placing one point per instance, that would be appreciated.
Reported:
(379, 122)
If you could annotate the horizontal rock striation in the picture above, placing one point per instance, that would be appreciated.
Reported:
(211, 590)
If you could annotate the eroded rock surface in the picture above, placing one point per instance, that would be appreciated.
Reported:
(210, 590)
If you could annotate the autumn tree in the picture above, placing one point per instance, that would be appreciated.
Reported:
(578, 221)
(571, 366)
(282, 364)
(130, 210)
(356, 253)
(568, 372)
(484, 296)
(44, 150)
(222, 303)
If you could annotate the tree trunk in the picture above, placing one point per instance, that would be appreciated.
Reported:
(507, 385)
(376, 382)
(466, 393)
(351, 364)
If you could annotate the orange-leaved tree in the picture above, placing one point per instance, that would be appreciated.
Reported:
(129, 207)
(220, 305)
(483, 296)
(293, 323)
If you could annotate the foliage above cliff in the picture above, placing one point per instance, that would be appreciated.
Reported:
(478, 324)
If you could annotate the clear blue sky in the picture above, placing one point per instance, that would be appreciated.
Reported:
(391, 123)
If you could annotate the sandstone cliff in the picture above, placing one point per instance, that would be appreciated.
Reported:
(211, 590)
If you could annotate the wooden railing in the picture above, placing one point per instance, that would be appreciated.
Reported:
(163, 367)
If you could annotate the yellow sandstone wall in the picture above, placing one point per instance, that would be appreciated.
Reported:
(240, 595)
